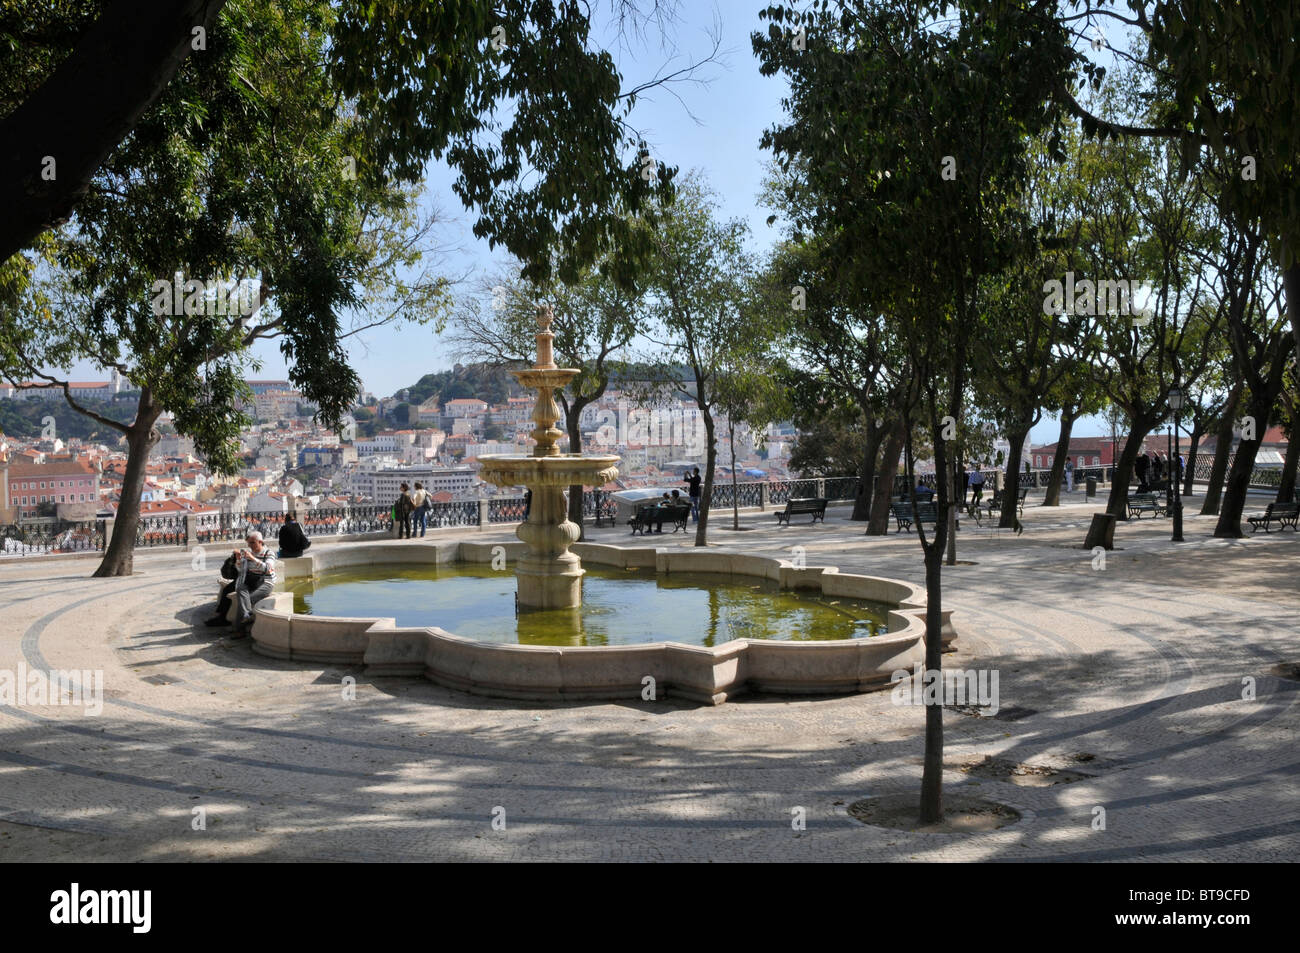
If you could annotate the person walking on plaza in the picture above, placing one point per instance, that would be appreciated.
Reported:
(976, 486)
(1069, 474)
(694, 480)
(255, 579)
(420, 502)
(402, 513)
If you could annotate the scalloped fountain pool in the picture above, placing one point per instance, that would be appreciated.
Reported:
(619, 606)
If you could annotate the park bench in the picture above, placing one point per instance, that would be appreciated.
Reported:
(926, 512)
(793, 507)
(651, 514)
(1153, 503)
(1284, 514)
(994, 503)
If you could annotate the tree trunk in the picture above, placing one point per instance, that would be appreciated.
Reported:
(735, 503)
(1054, 479)
(886, 471)
(706, 492)
(119, 557)
(572, 413)
(862, 502)
(1286, 487)
(1222, 447)
(1011, 492)
(1198, 429)
(951, 554)
(1262, 400)
(1117, 503)
(932, 770)
(1238, 482)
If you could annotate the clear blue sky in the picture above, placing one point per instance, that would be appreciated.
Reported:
(713, 127)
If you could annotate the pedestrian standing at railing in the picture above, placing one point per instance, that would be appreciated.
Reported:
(693, 481)
(402, 513)
(1069, 474)
(420, 513)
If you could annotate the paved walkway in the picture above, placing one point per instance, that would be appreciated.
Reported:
(1129, 676)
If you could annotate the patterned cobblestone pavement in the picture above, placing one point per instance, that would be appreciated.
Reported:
(1130, 677)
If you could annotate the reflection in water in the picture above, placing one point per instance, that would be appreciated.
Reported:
(620, 607)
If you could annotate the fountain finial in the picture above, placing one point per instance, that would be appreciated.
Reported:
(544, 317)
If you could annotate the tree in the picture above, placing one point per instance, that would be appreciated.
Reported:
(746, 391)
(695, 285)
(384, 89)
(247, 239)
(912, 133)
(74, 85)
(837, 348)
(427, 80)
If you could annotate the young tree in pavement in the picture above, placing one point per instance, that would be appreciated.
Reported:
(913, 134)
(747, 389)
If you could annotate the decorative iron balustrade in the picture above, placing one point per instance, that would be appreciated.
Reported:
(841, 488)
(455, 513)
(50, 535)
(506, 509)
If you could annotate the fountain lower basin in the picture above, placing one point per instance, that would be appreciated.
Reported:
(708, 674)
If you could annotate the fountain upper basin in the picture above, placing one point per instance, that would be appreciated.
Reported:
(564, 469)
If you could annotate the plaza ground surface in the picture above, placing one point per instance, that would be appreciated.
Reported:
(1127, 679)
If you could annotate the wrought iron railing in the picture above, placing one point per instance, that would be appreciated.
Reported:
(505, 509)
(48, 535)
(455, 513)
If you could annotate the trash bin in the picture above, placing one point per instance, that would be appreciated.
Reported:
(1092, 487)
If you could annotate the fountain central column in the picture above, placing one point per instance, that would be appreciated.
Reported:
(549, 575)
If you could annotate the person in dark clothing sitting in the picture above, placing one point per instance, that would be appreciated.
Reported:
(661, 510)
(228, 571)
(293, 541)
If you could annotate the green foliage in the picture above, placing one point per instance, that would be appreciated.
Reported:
(486, 382)
(25, 418)
(429, 79)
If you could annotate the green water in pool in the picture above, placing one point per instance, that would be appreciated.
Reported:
(619, 607)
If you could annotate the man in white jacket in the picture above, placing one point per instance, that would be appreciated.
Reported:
(256, 578)
(420, 504)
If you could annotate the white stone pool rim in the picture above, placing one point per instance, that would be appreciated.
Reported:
(533, 672)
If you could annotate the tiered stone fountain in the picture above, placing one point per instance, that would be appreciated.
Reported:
(549, 575)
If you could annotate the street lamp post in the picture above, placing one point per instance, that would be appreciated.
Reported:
(1176, 404)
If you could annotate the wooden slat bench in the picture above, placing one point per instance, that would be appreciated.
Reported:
(793, 507)
(1152, 503)
(994, 503)
(1284, 514)
(926, 512)
(654, 513)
